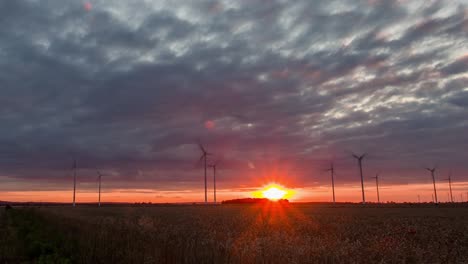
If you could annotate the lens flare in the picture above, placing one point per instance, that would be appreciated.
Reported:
(87, 6)
(209, 124)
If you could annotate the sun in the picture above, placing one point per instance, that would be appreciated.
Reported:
(273, 192)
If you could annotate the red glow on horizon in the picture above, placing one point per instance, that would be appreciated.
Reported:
(319, 193)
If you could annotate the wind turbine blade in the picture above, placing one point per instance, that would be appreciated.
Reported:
(201, 157)
(330, 168)
(201, 147)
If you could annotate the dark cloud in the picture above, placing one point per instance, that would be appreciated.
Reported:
(460, 65)
(286, 86)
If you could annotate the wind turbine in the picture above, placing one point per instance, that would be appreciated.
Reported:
(450, 185)
(332, 172)
(433, 181)
(214, 179)
(99, 177)
(359, 159)
(377, 184)
(74, 181)
(204, 157)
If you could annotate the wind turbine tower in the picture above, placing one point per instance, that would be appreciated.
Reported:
(204, 157)
(359, 159)
(332, 172)
(450, 186)
(99, 188)
(214, 180)
(433, 182)
(74, 182)
(377, 185)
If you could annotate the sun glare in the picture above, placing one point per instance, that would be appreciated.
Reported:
(273, 192)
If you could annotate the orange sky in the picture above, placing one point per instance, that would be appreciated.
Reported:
(351, 193)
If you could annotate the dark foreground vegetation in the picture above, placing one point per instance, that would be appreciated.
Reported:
(254, 201)
(260, 233)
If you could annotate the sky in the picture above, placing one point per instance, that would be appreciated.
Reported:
(276, 90)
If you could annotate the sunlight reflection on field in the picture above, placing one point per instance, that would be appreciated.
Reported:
(271, 232)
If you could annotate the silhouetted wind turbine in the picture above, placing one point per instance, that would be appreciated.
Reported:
(332, 172)
(204, 157)
(74, 181)
(433, 181)
(214, 179)
(99, 177)
(359, 159)
(450, 185)
(377, 184)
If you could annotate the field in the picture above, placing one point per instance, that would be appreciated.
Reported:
(236, 234)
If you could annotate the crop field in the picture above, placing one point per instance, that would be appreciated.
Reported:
(271, 233)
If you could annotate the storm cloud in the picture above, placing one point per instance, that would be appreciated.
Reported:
(130, 87)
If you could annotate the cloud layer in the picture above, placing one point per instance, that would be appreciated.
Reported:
(275, 88)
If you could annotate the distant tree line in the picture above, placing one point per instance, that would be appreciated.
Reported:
(253, 201)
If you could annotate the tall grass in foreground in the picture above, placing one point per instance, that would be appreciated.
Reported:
(239, 234)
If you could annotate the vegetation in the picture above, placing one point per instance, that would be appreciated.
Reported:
(258, 233)
(253, 201)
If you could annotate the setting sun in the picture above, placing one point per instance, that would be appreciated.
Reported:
(273, 192)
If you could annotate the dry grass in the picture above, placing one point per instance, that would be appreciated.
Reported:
(256, 234)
